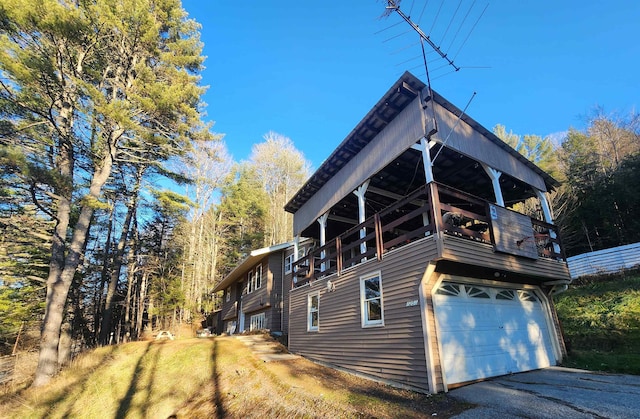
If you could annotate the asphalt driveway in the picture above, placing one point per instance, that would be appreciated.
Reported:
(553, 392)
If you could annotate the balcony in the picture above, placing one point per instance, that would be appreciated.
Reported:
(433, 210)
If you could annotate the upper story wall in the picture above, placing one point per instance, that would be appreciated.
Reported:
(400, 133)
(471, 142)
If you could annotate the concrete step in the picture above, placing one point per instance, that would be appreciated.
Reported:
(265, 348)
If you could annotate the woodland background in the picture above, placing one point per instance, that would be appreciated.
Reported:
(120, 209)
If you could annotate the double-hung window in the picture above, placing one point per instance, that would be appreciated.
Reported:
(313, 312)
(372, 309)
(288, 264)
(258, 277)
(250, 282)
(254, 279)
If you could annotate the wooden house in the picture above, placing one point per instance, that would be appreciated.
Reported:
(255, 292)
(427, 274)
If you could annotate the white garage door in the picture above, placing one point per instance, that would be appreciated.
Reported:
(487, 331)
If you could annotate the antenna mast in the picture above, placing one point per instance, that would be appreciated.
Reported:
(393, 6)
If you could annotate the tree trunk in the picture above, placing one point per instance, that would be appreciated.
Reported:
(59, 286)
(142, 296)
(57, 290)
(103, 278)
(107, 314)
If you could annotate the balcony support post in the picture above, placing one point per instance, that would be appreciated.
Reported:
(494, 175)
(548, 216)
(425, 146)
(361, 212)
(323, 227)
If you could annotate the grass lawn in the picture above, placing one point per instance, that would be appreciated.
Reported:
(212, 378)
(600, 317)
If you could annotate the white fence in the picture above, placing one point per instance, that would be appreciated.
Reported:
(605, 261)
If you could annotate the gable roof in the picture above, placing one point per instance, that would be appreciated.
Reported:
(394, 101)
(248, 262)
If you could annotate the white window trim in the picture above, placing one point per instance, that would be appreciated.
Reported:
(311, 328)
(288, 264)
(257, 321)
(250, 282)
(255, 277)
(363, 312)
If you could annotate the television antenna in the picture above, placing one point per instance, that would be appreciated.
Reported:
(392, 6)
(429, 45)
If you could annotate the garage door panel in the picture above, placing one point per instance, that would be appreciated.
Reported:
(485, 337)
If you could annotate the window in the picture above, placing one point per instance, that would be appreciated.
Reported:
(258, 321)
(506, 295)
(228, 293)
(527, 295)
(313, 312)
(288, 264)
(250, 282)
(449, 289)
(258, 277)
(254, 279)
(475, 292)
(371, 300)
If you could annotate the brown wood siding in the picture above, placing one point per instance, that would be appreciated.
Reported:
(481, 254)
(285, 303)
(228, 310)
(468, 141)
(401, 133)
(394, 352)
(275, 291)
(258, 299)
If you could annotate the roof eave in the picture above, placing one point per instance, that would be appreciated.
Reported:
(248, 262)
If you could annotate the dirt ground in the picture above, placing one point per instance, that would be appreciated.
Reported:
(301, 388)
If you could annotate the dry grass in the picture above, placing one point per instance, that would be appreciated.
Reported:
(212, 378)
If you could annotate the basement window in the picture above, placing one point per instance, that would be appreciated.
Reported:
(258, 322)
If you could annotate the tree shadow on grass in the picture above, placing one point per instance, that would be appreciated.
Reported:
(136, 385)
(215, 378)
(78, 387)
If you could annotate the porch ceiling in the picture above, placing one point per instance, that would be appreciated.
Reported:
(406, 173)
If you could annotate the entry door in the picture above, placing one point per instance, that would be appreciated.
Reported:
(489, 331)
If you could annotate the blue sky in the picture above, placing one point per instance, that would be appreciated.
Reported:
(311, 70)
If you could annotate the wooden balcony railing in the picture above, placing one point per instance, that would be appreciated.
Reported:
(431, 208)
